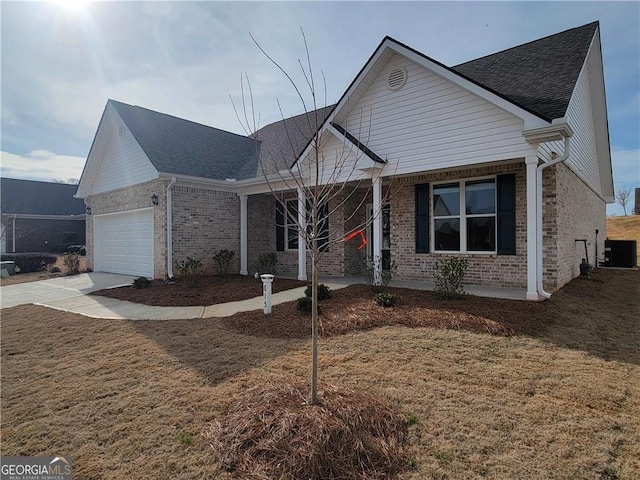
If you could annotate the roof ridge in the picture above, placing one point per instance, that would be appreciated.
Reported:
(178, 118)
(596, 23)
(39, 181)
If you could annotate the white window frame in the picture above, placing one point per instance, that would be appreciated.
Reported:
(463, 216)
(289, 223)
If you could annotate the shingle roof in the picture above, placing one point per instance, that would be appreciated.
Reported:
(39, 198)
(182, 147)
(538, 75)
(282, 142)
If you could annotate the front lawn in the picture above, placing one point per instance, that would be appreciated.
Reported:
(130, 399)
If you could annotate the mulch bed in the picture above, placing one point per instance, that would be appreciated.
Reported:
(213, 289)
(353, 308)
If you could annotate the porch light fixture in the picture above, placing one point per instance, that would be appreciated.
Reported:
(87, 210)
(154, 199)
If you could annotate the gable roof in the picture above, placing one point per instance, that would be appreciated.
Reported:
(282, 142)
(534, 80)
(29, 197)
(539, 75)
(181, 147)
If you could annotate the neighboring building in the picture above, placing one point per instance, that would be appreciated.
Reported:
(38, 216)
(463, 146)
(636, 208)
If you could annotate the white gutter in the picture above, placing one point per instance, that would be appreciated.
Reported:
(169, 230)
(539, 206)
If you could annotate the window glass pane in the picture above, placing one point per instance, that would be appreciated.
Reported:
(292, 227)
(292, 238)
(481, 234)
(480, 197)
(446, 200)
(447, 234)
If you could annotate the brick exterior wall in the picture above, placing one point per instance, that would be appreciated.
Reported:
(484, 269)
(571, 211)
(131, 198)
(41, 235)
(205, 221)
(261, 239)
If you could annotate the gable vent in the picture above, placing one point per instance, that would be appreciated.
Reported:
(397, 78)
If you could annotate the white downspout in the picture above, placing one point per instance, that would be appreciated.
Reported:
(539, 208)
(169, 230)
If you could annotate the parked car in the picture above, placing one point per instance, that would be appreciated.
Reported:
(79, 249)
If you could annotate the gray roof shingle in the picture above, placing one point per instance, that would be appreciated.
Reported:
(282, 142)
(30, 197)
(540, 75)
(182, 147)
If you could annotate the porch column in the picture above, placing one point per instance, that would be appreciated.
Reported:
(243, 235)
(377, 230)
(532, 260)
(302, 244)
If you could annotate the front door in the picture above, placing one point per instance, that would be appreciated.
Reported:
(386, 235)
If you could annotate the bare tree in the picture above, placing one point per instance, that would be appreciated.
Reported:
(622, 197)
(328, 178)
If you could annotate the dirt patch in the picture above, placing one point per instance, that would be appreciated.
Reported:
(213, 289)
(36, 276)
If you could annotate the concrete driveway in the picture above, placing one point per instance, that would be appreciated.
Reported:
(54, 290)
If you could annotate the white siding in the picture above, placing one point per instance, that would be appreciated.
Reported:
(431, 123)
(120, 160)
(583, 158)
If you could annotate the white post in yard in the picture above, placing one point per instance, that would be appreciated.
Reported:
(267, 280)
(377, 230)
(532, 253)
(243, 235)
(14, 234)
(302, 246)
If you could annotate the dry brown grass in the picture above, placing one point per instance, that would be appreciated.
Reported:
(624, 228)
(131, 399)
(36, 276)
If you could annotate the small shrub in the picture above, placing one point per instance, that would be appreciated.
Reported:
(185, 439)
(30, 262)
(387, 300)
(54, 269)
(371, 264)
(142, 282)
(324, 292)
(412, 419)
(305, 305)
(268, 262)
(72, 263)
(191, 270)
(222, 259)
(449, 275)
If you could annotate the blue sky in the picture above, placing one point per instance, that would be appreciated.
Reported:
(60, 62)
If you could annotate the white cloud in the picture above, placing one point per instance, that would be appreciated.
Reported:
(41, 165)
(626, 167)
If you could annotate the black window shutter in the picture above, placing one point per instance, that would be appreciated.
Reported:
(422, 218)
(506, 214)
(279, 226)
(323, 241)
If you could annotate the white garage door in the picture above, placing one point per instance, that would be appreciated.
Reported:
(123, 243)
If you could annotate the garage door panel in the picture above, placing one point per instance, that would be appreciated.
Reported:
(123, 243)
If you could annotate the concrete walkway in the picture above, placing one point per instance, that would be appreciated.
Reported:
(70, 294)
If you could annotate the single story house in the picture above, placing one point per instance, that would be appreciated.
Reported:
(503, 160)
(39, 216)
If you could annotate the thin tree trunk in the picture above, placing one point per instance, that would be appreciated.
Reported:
(314, 327)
